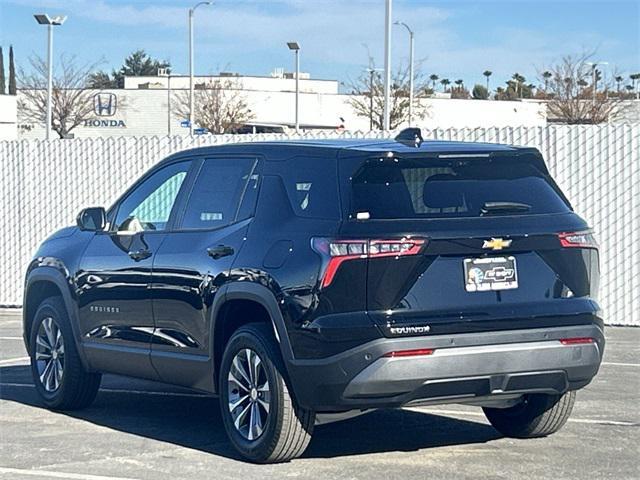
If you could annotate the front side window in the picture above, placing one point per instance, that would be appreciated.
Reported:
(217, 192)
(148, 206)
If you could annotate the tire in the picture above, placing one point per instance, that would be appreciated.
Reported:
(538, 415)
(67, 385)
(284, 430)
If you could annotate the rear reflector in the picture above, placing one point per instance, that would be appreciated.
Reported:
(576, 340)
(410, 353)
(583, 239)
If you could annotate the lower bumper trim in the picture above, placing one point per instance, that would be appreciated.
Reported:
(529, 366)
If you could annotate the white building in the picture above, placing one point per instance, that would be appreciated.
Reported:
(142, 107)
(278, 81)
(8, 112)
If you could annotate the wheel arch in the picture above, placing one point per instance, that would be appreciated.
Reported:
(248, 298)
(42, 283)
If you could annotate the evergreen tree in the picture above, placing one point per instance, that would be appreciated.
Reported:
(138, 64)
(12, 73)
(3, 87)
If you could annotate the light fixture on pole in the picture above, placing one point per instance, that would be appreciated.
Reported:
(410, 68)
(594, 66)
(44, 19)
(191, 102)
(295, 46)
(387, 65)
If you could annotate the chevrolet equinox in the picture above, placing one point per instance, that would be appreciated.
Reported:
(308, 280)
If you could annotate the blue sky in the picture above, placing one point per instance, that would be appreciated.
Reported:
(454, 39)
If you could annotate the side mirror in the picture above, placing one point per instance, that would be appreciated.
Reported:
(92, 219)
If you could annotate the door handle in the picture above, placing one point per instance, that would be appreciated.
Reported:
(220, 251)
(138, 255)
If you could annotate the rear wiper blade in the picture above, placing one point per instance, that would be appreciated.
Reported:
(504, 207)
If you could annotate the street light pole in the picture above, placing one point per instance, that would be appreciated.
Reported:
(49, 78)
(411, 43)
(594, 66)
(295, 46)
(44, 19)
(387, 64)
(169, 104)
(191, 102)
(371, 72)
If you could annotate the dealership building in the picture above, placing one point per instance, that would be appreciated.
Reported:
(146, 106)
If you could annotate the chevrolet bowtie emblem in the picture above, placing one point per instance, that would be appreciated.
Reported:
(496, 243)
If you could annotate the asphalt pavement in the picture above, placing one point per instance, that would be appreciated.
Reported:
(138, 430)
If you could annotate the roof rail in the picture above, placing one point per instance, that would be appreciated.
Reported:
(411, 137)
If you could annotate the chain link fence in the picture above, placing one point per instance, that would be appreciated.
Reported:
(44, 185)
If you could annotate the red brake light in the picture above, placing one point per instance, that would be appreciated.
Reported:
(410, 353)
(576, 340)
(339, 251)
(584, 239)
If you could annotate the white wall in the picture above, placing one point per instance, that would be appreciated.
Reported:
(8, 117)
(144, 112)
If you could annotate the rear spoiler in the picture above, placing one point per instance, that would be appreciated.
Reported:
(412, 137)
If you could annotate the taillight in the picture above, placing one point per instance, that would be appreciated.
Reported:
(576, 340)
(339, 251)
(583, 239)
(410, 353)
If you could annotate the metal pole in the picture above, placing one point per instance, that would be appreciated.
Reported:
(371, 71)
(387, 64)
(298, 90)
(410, 76)
(169, 105)
(593, 83)
(49, 79)
(191, 71)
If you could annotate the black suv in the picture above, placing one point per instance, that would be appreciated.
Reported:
(307, 281)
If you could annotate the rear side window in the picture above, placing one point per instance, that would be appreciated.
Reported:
(311, 184)
(430, 188)
(217, 192)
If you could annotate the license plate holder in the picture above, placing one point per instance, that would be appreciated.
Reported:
(490, 274)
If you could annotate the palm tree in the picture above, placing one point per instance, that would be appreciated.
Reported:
(630, 89)
(582, 83)
(635, 77)
(546, 75)
(619, 79)
(460, 84)
(445, 82)
(519, 79)
(487, 73)
(434, 78)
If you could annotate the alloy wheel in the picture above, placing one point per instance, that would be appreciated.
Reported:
(49, 354)
(248, 394)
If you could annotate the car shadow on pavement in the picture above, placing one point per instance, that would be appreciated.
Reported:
(194, 421)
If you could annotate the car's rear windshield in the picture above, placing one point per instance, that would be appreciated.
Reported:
(433, 188)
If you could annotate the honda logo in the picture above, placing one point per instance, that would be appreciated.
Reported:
(105, 104)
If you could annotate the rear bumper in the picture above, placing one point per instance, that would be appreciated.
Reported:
(462, 367)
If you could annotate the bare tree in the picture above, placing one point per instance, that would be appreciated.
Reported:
(72, 102)
(220, 106)
(571, 95)
(367, 96)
